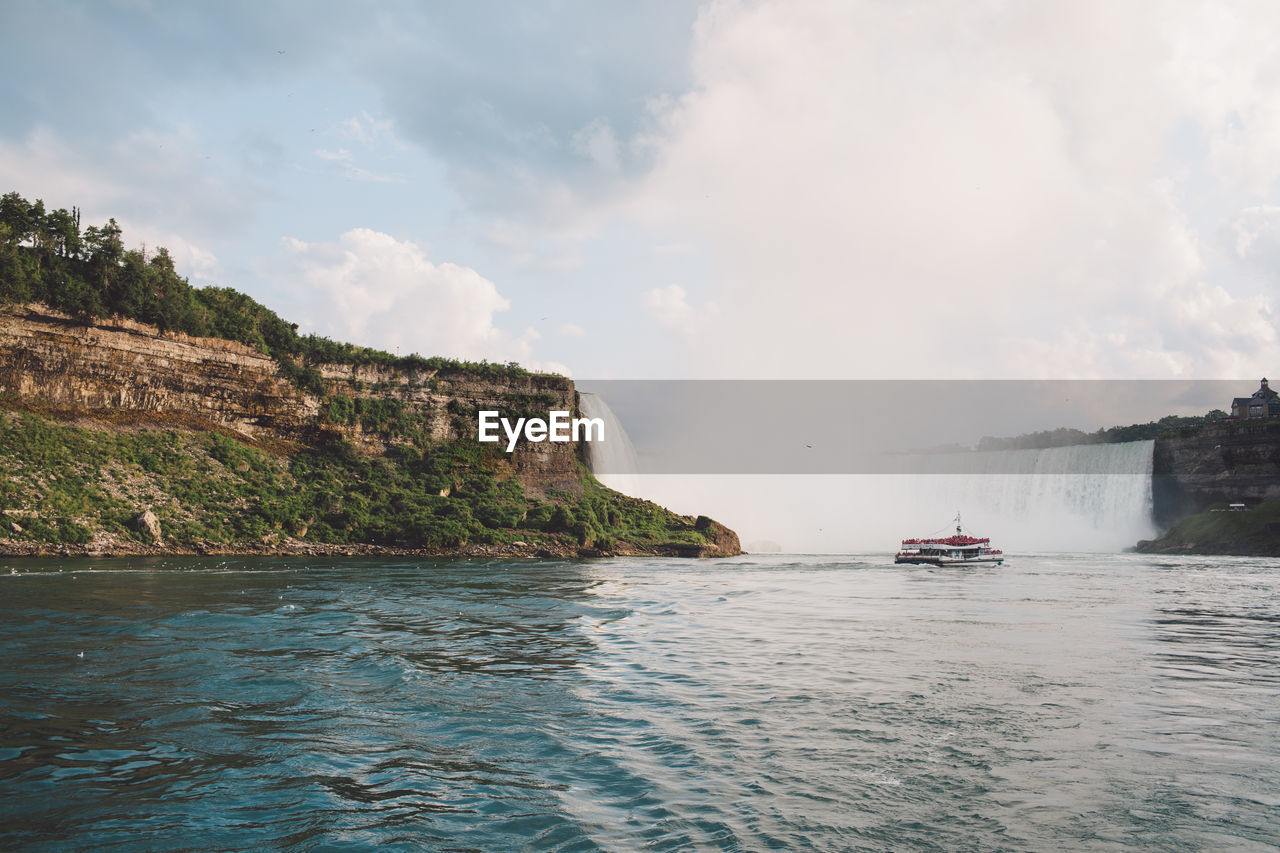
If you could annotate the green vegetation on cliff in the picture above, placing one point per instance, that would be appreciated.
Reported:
(1065, 437)
(371, 467)
(1255, 532)
(72, 485)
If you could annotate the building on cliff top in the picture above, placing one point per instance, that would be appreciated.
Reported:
(1264, 403)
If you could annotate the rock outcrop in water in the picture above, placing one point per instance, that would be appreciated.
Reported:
(721, 540)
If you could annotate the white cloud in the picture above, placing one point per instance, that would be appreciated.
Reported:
(1256, 232)
(981, 191)
(670, 307)
(532, 249)
(345, 164)
(572, 330)
(672, 249)
(598, 143)
(369, 131)
(141, 179)
(1225, 61)
(373, 289)
(44, 166)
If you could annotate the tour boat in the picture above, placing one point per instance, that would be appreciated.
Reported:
(957, 550)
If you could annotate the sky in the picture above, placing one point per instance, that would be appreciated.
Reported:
(852, 189)
(760, 190)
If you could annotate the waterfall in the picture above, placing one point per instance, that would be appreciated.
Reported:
(1093, 497)
(612, 461)
(1084, 498)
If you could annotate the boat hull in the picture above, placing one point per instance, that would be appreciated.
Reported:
(923, 560)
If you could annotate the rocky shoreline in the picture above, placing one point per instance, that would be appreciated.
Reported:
(307, 549)
(1207, 549)
(723, 543)
(1254, 532)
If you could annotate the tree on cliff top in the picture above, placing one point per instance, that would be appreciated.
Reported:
(44, 257)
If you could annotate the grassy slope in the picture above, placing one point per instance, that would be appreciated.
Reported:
(1256, 532)
(82, 485)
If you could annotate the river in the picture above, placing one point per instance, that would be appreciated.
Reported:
(1084, 702)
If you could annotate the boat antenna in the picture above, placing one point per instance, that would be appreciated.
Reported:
(958, 523)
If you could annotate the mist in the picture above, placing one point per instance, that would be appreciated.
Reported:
(698, 452)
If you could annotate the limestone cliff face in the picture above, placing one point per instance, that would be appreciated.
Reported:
(47, 358)
(1228, 463)
(436, 396)
(122, 366)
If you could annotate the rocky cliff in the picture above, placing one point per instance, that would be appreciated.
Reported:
(119, 439)
(1255, 533)
(1228, 463)
(120, 365)
(117, 367)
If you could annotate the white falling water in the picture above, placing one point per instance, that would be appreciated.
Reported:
(613, 461)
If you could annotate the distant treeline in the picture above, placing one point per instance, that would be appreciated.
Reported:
(45, 257)
(1063, 437)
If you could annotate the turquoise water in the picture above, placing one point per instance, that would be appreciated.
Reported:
(836, 703)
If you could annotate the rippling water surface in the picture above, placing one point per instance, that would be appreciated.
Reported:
(1058, 702)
